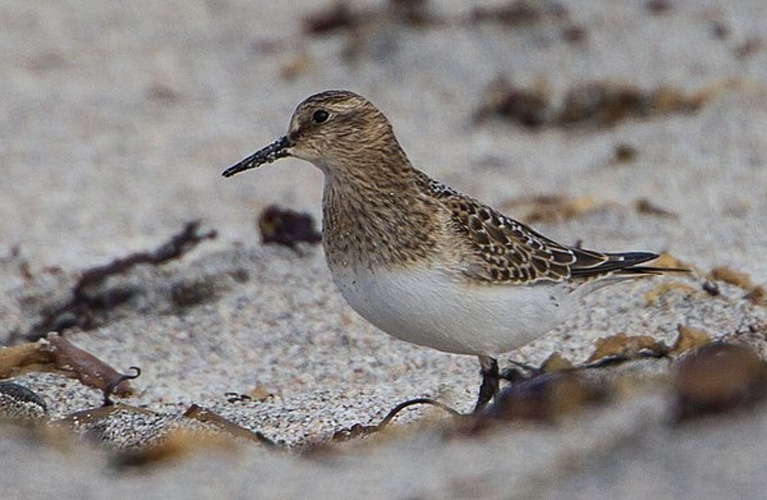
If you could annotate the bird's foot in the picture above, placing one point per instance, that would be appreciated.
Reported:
(491, 378)
(518, 372)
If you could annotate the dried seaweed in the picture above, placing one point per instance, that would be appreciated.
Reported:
(287, 227)
(731, 276)
(200, 414)
(90, 295)
(624, 347)
(551, 208)
(56, 354)
(93, 415)
(593, 104)
(543, 398)
(174, 446)
(359, 430)
(520, 13)
(340, 17)
(718, 378)
(645, 206)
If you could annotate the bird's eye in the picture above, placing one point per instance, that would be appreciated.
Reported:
(320, 116)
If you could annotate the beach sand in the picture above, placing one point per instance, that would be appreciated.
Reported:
(118, 121)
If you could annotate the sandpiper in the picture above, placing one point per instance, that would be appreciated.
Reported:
(423, 262)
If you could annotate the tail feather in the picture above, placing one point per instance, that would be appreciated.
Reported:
(591, 264)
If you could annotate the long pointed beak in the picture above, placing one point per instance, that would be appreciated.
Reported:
(274, 151)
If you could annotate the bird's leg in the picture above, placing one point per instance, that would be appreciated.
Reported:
(490, 381)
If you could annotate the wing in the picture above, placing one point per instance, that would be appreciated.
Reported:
(508, 251)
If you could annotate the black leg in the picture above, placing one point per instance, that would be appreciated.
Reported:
(490, 381)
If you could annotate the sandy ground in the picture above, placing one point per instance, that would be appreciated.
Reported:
(118, 119)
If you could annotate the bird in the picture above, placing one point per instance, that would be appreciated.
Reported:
(423, 262)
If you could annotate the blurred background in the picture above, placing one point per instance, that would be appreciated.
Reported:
(621, 124)
(119, 117)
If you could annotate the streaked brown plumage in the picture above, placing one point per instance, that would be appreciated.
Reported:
(422, 261)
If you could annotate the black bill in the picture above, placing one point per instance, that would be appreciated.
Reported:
(274, 151)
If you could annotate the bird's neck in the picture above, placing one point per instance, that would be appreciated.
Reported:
(377, 219)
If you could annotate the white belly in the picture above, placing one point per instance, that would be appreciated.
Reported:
(430, 308)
